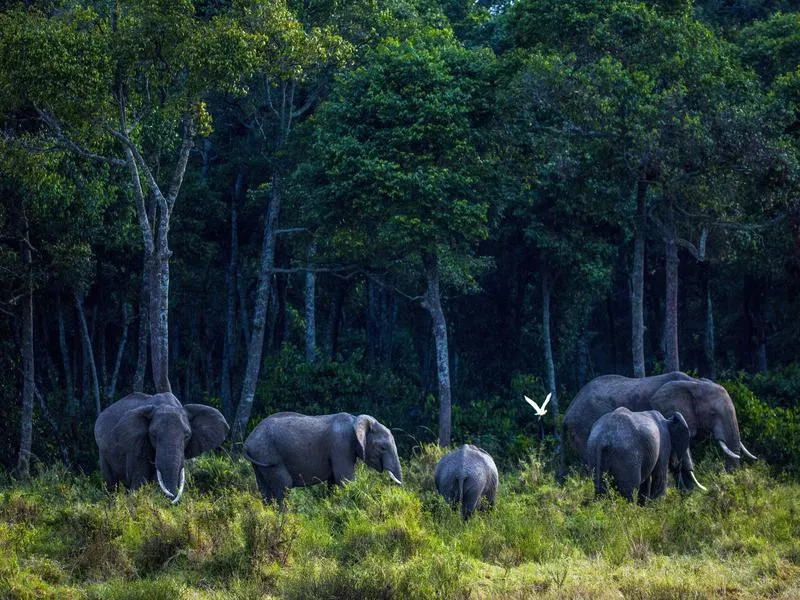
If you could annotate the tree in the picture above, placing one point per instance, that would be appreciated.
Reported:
(396, 173)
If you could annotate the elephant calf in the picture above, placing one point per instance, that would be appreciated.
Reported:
(636, 449)
(466, 475)
(292, 450)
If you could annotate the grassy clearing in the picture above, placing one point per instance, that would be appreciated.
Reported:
(62, 536)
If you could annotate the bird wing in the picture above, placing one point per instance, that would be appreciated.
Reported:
(546, 400)
(533, 404)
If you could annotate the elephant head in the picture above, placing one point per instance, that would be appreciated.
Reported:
(375, 446)
(708, 410)
(167, 435)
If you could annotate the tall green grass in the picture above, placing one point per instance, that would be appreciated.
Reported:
(63, 536)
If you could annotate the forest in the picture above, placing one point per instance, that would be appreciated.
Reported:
(422, 210)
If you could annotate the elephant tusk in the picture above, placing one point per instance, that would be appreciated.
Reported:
(394, 478)
(180, 489)
(727, 450)
(697, 483)
(747, 452)
(162, 486)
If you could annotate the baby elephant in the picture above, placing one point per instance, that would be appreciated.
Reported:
(464, 476)
(636, 448)
(292, 450)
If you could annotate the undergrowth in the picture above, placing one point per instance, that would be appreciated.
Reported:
(63, 536)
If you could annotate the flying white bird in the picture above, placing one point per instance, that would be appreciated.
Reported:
(540, 410)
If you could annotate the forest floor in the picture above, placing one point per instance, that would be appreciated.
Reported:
(62, 536)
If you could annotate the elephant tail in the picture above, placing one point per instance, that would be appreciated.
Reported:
(464, 512)
(253, 460)
(598, 469)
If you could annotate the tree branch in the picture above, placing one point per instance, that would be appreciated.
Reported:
(54, 126)
(183, 159)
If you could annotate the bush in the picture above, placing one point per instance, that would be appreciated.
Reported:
(771, 433)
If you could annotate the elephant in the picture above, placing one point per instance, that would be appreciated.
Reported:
(293, 450)
(636, 449)
(705, 405)
(466, 475)
(144, 438)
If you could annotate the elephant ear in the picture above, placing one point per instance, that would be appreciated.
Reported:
(209, 429)
(131, 430)
(362, 426)
(676, 396)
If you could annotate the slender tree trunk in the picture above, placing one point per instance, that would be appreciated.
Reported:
(103, 356)
(229, 344)
(28, 381)
(548, 351)
(54, 426)
(708, 341)
(583, 356)
(671, 359)
(62, 344)
(144, 333)
(637, 281)
(373, 328)
(87, 341)
(335, 317)
(433, 304)
(255, 349)
(159, 306)
(311, 322)
(244, 317)
(111, 390)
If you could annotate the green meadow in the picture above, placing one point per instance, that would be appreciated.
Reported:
(63, 536)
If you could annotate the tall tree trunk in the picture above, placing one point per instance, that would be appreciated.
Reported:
(255, 349)
(433, 304)
(548, 351)
(144, 330)
(311, 322)
(708, 338)
(47, 415)
(28, 382)
(62, 344)
(244, 318)
(583, 356)
(159, 306)
(335, 317)
(637, 281)
(127, 317)
(87, 341)
(671, 359)
(229, 344)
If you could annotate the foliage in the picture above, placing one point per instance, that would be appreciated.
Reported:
(62, 536)
(772, 429)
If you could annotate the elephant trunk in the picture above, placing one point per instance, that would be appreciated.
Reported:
(170, 473)
(729, 441)
(391, 462)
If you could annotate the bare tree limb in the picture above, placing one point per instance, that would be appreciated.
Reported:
(67, 143)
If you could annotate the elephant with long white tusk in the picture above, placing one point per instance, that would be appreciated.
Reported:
(147, 438)
(706, 406)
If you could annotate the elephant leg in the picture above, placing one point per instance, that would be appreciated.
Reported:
(470, 498)
(273, 482)
(644, 490)
(108, 474)
(659, 485)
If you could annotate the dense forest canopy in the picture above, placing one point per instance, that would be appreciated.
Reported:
(419, 209)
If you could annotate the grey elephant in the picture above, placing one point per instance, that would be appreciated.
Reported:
(705, 405)
(465, 476)
(292, 450)
(147, 438)
(637, 449)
